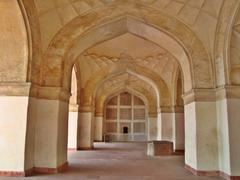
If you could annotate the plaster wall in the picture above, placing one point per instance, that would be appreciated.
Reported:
(51, 133)
(72, 130)
(234, 135)
(178, 131)
(152, 128)
(98, 133)
(13, 122)
(201, 144)
(85, 130)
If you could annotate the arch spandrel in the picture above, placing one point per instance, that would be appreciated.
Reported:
(235, 51)
(189, 43)
(189, 12)
(222, 42)
(14, 43)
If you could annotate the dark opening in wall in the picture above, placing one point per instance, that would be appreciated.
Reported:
(125, 130)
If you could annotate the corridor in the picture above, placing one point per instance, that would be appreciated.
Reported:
(120, 161)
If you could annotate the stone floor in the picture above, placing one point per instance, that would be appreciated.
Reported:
(121, 161)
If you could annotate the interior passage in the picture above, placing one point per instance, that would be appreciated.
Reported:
(121, 161)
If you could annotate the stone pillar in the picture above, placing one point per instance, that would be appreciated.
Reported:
(228, 114)
(178, 131)
(201, 139)
(98, 128)
(85, 128)
(152, 127)
(165, 128)
(72, 126)
(14, 102)
(51, 132)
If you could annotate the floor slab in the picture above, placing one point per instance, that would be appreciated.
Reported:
(120, 161)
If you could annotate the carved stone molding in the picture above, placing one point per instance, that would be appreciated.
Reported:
(171, 109)
(228, 92)
(73, 108)
(199, 95)
(152, 115)
(98, 114)
(86, 108)
(50, 93)
(212, 95)
(14, 89)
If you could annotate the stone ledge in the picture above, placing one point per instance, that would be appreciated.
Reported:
(160, 148)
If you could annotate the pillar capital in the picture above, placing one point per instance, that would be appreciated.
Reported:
(73, 107)
(98, 114)
(199, 95)
(228, 92)
(15, 89)
(50, 93)
(152, 115)
(86, 108)
(211, 95)
(170, 109)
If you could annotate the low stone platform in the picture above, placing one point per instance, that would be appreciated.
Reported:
(160, 148)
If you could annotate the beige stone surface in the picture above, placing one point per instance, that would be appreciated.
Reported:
(50, 133)
(58, 56)
(13, 43)
(12, 132)
(120, 161)
(85, 130)
(201, 144)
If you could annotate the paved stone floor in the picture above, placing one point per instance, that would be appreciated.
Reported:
(121, 161)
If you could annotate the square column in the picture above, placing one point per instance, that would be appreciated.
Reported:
(165, 126)
(178, 129)
(98, 128)
(13, 122)
(201, 136)
(85, 128)
(14, 104)
(228, 114)
(152, 127)
(51, 135)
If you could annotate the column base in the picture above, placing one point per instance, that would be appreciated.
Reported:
(35, 170)
(72, 149)
(85, 148)
(211, 173)
(17, 173)
(202, 173)
(228, 177)
(43, 170)
(179, 152)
